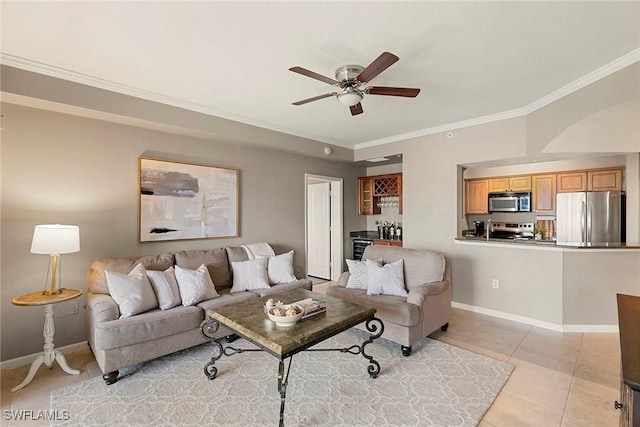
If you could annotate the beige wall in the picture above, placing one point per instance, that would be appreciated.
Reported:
(539, 285)
(58, 168)
(70, 169)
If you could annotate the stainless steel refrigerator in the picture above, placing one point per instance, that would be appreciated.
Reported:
(591, 218)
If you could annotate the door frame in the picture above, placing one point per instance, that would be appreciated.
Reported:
(337, 222)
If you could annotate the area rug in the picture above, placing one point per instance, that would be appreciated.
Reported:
(438, 385)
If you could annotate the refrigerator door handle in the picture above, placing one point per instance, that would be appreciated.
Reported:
(583, 223)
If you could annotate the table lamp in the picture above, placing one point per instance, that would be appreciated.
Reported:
(55, 239)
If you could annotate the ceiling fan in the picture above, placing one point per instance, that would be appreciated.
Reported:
(351, 78)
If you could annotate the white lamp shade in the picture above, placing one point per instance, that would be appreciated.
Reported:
(55, 239)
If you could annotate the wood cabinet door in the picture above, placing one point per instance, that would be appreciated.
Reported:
(475, 196)
(510, 183)
(499, 185)
(367, 205)
(544, 193)
(604, 180)
(572, 181)
(520, 183)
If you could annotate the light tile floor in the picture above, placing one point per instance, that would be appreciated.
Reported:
(560, 379)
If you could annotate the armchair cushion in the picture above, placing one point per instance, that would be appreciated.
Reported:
(420, 266)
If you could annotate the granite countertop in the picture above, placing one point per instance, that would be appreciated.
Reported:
(542, 243)
(369, 235)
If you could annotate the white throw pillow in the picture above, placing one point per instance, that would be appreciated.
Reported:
(166, 288)
(132, 292)
(357, 274)
(195, 285)
(280, 269)
(387, 279)
(250, 275)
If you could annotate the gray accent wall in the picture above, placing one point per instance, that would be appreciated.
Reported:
(61, 168)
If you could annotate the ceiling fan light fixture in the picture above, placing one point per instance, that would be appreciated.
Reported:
(350, 96)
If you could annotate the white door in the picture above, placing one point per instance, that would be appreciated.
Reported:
(319, 230)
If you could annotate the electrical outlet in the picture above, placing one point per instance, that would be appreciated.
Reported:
(495, 283)
(74, 307)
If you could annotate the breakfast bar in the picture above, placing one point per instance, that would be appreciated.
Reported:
(557, 287)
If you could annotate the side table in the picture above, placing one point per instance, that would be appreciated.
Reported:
(50, 353)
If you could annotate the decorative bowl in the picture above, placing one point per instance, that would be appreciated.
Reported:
(285, 321)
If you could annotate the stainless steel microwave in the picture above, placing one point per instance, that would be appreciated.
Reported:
(510, 202)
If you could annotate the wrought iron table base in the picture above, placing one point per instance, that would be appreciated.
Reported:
(210, 326)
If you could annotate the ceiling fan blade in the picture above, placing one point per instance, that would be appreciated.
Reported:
(315, 98)
(392, 91)
(381, 63)
(356, 109)
(313, 75)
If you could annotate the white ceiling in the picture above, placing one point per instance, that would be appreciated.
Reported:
(473, 60)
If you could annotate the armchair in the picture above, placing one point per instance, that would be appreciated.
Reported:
(427, 307)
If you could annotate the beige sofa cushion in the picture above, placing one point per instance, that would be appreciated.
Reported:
(236, 254)
(420, 266)
(147, 326)
(216, 261)
(388, 307)
(97, 281)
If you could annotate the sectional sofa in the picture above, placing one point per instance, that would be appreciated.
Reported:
(119, 338)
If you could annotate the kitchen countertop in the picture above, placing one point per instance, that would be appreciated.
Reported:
(369, 235)
(542, 243)
(365, 234)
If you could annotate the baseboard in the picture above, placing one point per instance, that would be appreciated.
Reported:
(28, 359)
(536, 322)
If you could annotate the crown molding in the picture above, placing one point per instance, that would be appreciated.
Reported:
(84, 79)
(48, 70)
(602, 72)
(443, 128)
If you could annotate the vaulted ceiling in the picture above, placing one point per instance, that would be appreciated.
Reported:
(473, 61)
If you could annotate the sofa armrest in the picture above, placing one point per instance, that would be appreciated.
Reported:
(418, 294)
(343, 279)
(102, 308)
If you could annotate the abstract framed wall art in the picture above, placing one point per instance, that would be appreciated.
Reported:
(186, 201)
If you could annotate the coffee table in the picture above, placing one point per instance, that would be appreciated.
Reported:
(248, 320)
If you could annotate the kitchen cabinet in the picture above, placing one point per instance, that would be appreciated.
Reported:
(590, 180)
(604, 180)
(372, 188)
(510, 183)
(397, 243)
(476, 193)
(366, 203)
(572, 181)
(544, 193)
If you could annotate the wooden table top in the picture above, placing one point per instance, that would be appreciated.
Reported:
(249, 320)
(38, 298)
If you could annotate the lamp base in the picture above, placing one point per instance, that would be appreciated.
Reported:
(53, 284)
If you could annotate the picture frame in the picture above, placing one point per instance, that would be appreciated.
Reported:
(181, 201)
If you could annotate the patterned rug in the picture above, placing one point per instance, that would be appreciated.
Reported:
(438, 385)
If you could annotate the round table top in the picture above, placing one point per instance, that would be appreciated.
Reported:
(38, 298)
